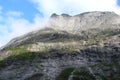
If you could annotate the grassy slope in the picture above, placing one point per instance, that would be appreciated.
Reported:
(92, 39)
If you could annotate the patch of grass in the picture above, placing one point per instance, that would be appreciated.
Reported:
(109, 70)
(100, 77)
(82, 74)
(34, 76)
(75, 74)
(19, 55)
(22, 54)
(64, 75)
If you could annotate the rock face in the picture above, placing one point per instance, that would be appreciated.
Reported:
(81, 47)
(68, 26)
(84, 21)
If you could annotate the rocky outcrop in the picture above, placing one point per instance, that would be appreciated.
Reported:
(81, 47)
(64, 26)
(99, 62)
(88, 20)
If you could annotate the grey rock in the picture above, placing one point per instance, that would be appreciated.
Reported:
(69, 42)
(88, 20)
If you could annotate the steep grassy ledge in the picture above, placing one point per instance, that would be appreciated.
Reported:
(22, 53)
(90, 37)
(25, 55)
(106, 63)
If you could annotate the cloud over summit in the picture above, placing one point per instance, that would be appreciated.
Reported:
(13, 23)
(47, 7)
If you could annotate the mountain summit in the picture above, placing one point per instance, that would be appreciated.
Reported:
(80, 47)
(84, 21)
(68, 26)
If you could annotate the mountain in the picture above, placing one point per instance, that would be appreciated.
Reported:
(80, 47)
(84, 21)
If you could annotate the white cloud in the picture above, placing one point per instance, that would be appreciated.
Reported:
(75, 6)
(14, 14)
(14, 25)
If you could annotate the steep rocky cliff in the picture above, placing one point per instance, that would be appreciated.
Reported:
(84, 21)
(81, 47)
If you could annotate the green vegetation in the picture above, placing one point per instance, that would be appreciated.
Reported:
(36, 76)
(64, 75)
(75, 74)
(100, 76)
(87, 38)
(101, 71)
(108, 70)
(22, 54)
(19, 54)
(91, 36)
(82, 74)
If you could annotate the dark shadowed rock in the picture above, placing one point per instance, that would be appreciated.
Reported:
(54, 15)
(65, 15)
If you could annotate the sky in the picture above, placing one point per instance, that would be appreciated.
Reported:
(18, 17)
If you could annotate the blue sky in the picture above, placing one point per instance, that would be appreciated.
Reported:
(24, 6)
(118, 2)
(18, 17)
